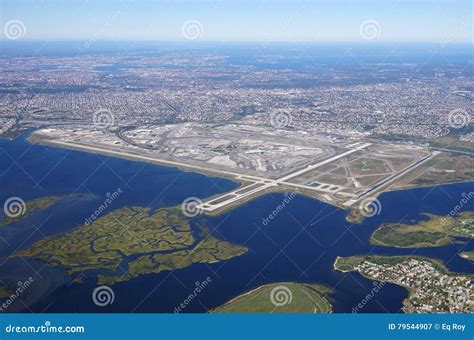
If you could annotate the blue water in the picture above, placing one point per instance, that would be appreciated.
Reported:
(300, 244)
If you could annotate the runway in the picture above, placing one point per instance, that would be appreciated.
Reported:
(240, 194)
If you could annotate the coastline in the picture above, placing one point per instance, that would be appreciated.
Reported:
(438, 264)
(235, 177)
(34, 139)
(321, 290)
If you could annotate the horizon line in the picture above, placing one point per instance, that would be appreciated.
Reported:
(242, 41)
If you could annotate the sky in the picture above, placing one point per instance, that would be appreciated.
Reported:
(245, 20)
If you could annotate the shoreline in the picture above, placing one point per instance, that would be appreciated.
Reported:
(438, 264)
(234, 177)
(131, 157)
(323, 293)
(426, 186)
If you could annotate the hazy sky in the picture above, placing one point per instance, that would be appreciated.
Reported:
(231, 20)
